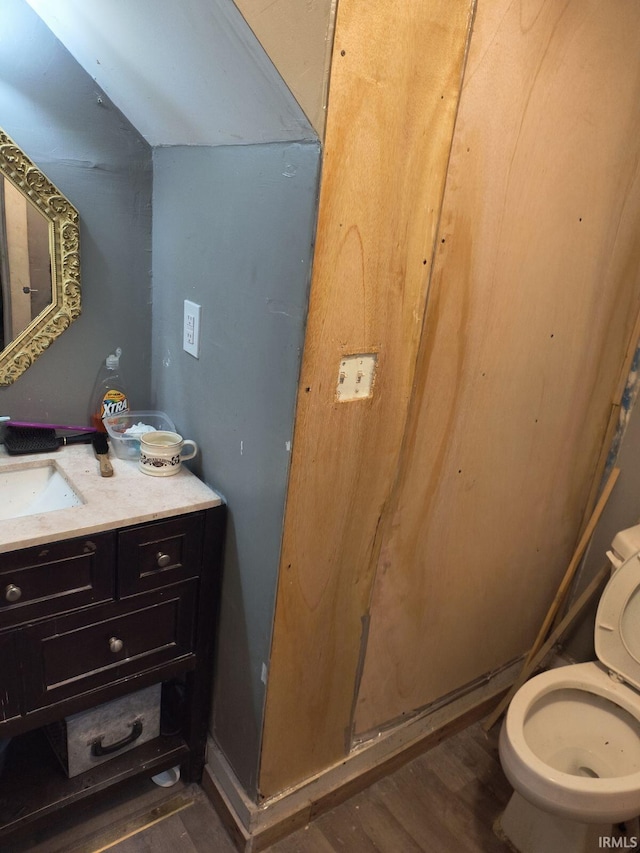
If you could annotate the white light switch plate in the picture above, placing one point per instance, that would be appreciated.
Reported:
(355, 377)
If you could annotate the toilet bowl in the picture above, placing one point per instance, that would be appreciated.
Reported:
(570, 742)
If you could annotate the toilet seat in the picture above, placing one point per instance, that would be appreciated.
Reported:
(617, 625)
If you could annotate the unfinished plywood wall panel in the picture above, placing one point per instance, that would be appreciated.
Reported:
(297, 37)
(535, 289)
(395, 83)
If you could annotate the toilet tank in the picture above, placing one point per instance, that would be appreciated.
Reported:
(625, 544)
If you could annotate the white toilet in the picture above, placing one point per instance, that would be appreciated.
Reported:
(570, 743)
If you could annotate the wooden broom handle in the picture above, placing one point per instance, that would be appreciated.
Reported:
(528, 669)
(573, 565)
(534, 656)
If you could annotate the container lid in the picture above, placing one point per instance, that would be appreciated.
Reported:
(617, 628)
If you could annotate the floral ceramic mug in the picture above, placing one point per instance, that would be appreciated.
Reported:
(161, 452)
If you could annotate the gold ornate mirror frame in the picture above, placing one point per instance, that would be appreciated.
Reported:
(64, 250)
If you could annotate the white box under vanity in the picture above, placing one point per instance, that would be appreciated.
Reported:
(99, 599)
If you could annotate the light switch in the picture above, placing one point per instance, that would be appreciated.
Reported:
(355, 377)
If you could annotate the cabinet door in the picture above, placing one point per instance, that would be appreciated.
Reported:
(9, 682)
(38, 582)
(83, 651)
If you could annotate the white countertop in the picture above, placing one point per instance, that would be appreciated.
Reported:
(128, 497)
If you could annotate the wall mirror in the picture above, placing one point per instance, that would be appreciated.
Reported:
(39, 262)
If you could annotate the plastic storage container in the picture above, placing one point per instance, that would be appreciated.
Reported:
(127, 445)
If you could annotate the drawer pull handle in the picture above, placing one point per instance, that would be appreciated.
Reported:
(163, 559)
(98, 749)
(13, 593)
(115, 645)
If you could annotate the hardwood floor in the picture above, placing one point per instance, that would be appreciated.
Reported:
(444, 801)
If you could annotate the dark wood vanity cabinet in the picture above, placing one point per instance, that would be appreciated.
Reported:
(91, 619)
(9, 679)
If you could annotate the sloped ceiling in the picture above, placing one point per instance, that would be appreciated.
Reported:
(183, 73)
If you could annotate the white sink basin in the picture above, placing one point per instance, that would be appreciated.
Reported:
(34, 489)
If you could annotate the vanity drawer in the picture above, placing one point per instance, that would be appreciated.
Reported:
(158, 554)
(67, 656)
(42, 581)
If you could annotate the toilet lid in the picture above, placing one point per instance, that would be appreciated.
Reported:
(617, 629)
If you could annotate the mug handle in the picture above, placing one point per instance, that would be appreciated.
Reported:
(183, 455)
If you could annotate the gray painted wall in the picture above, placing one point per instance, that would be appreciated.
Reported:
(233, 229)
(59, 117)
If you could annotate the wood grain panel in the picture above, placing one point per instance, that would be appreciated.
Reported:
(395, 84)
(535, 291)
(297, 37)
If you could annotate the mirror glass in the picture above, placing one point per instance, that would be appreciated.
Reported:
(39, 262)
